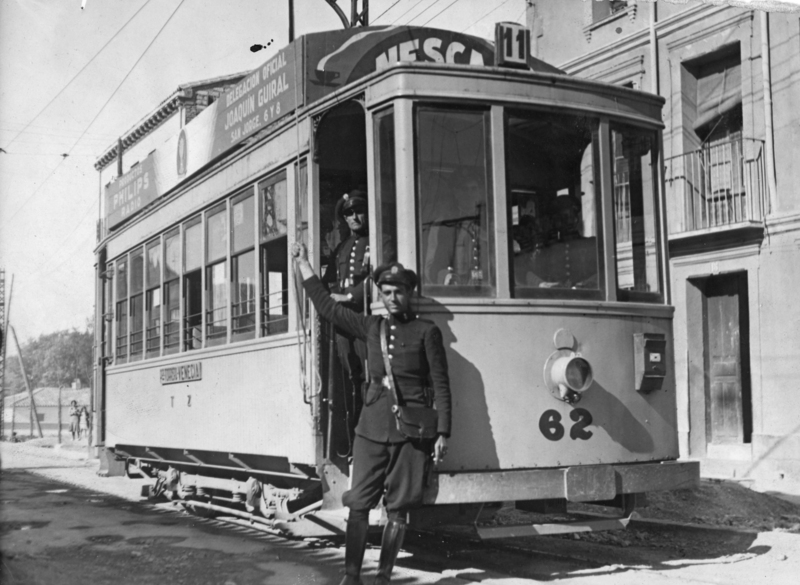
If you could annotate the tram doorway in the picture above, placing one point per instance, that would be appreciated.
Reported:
(719, 357)
(340, 152)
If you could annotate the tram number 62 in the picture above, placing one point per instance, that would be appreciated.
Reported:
(551, 427)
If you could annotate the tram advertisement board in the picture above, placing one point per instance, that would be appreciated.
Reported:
(265, 95)
(131, 192)
(336, 58)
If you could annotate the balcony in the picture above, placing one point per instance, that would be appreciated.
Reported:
(718, 192)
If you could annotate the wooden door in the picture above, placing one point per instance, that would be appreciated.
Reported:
(725, 324)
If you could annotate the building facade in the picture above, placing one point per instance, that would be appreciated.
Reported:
(731, 82)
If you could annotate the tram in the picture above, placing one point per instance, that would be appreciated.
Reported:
(529, 202)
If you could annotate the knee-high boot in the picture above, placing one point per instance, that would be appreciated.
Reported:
(390, 546)
(355, 544)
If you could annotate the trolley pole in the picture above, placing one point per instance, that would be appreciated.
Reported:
(33, 413)
(291, 20)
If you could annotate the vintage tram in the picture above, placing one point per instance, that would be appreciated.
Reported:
(529, 202)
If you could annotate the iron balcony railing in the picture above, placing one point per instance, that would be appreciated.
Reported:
(719, 185)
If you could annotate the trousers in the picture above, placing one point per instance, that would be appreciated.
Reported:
(395, 471)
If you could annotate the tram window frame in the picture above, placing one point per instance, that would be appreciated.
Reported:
(656, 269)
(273, 254)
(108, 317)
(385, 185)
(171, 297)
(136, 304)
(153, 298)
(217, 297)
(121, 309)
(527, 291)
(192, 290)
(243, 257)
(441, 290)
(301, 230)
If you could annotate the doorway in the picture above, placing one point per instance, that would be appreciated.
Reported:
(719, 361)
(340, 153)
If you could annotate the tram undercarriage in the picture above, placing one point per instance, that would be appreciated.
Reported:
(288, 498)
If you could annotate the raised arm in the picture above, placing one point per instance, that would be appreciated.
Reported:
(352, 322)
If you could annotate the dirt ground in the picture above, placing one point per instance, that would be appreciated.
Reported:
(715, 504)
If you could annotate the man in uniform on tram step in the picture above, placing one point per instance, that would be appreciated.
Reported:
(344, 277)
(386, 463)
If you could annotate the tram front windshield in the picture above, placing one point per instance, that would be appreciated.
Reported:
(553, 198)
(455, 202)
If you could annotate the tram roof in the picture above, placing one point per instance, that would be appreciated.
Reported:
(307, 70)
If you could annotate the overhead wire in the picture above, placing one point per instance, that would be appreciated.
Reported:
(387, 10)
(434, 3)
(485, 15)
(438, 13)
(418, 2)
(89, 62)
(100, 111)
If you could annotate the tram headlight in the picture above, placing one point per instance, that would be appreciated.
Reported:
(568, 375)
(574, 372)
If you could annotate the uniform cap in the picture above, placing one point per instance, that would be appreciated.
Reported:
(355, 198)
(395, 273)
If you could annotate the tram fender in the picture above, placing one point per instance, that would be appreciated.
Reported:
(589, 483)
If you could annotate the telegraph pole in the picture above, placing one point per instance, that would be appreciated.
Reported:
(33, 413)
(5, 316)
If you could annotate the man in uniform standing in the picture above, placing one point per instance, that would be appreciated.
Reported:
(344, 276)
(386, 463)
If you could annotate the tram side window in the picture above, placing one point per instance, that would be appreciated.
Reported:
(552, 173)
(172, 299)
(635, 214)
(192, 285)
(137, 305)
(243, 267)
(216, 276)
(153, 300)
(274, 256)
(121, 313)
(386, 195)
(456, 226)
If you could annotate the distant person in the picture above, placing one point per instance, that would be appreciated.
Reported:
(74, 419)
(85, 421)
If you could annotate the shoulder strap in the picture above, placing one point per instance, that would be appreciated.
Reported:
(387, 363)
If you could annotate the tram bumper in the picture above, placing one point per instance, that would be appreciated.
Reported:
(582, 483)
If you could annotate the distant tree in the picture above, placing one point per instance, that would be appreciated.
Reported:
(53, 359)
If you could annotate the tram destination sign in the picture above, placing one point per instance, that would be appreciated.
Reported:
(184, 373)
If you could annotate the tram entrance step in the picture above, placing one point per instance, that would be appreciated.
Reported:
(514, 531)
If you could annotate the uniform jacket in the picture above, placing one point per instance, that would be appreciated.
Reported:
(418, 362)
(348, 269)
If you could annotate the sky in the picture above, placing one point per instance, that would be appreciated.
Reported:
(72, 80)
(49, 203)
